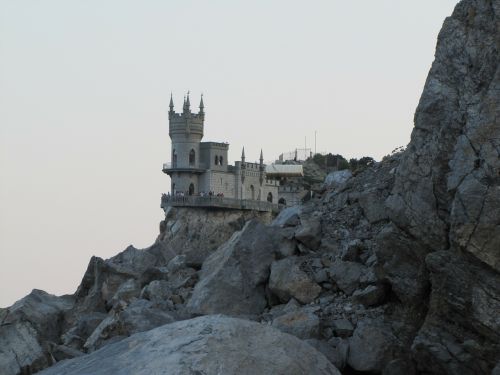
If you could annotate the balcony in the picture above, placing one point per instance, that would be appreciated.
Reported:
(219, 202)
(169, 168)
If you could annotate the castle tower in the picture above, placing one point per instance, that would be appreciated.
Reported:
(186, 133)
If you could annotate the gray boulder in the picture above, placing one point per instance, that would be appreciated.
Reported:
(370, 296)
(205, 345)
(372, 347)
(139, 316)
(336, 179)
(289, 217)
(233, 278)
(349, 276)
(287, 280)
(303, 324)
(309, 232)
(26, 329)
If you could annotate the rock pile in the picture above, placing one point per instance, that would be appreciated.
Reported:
(394, 270)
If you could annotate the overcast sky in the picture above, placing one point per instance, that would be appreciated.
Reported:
(84, 90)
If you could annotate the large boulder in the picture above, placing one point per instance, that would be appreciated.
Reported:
(205, 345)
(139, 316)
(300, 323)
(287, 280)
(372, 347)
(27, 328)
(233, 278)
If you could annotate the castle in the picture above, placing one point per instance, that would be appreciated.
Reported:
(201, 168)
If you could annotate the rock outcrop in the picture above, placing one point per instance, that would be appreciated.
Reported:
(394, 269)
(211, 344)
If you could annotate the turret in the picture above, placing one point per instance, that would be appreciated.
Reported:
(186, 132)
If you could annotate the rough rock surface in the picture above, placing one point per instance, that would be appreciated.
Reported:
(287, 280)
(197, 233)
(205, 345)
(393, 270)
(27, 328)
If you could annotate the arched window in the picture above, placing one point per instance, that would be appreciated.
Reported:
(282, 201)
(221, 160)
(174, 159)
(252, 192)
(191, 189)
(216, 160)
(270, 197)
(192, 157)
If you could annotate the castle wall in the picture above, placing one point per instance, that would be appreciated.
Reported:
(181, 181)
(182, 148)
(222, 182)
(208, 152)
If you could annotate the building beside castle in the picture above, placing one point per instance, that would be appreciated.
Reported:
(199, 168)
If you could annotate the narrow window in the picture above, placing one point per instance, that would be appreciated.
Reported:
(192, 156)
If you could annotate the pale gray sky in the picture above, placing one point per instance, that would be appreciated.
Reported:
(84, 89)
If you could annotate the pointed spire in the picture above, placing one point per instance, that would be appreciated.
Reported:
(171, 103)
(261, 157)
(243, 155)
(186, 103)
(202, 106)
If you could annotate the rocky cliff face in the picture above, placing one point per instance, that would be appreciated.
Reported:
(394, 270)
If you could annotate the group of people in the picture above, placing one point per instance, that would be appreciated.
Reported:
(181, 194)
(211, 194)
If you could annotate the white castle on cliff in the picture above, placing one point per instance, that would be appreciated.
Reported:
(201, 168)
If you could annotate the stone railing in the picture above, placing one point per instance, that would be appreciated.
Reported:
(218, 202)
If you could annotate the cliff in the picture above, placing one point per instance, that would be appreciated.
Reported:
(394, 270)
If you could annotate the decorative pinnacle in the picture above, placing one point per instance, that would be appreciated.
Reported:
(243, 154)
(261, 156)
(171, 102)
(201, 104)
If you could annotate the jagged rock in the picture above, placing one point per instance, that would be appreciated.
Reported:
(76, 336)
(198, 233)
(342, 327)
(289, 217)
(403, 262)
(304, 325)
(209, 345)
(287, 280)
(232, 279)
(400, 366)
(176, 263)
(351, 275)
(26, 329)
(373, 206)
(128, 290)
(372, 347)
(309, 232)
(351, 251)
(465, 295)
(370, 296)
(61, 352)
(336, 353)
(139, 316)
(336, 179)
(451, 164)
